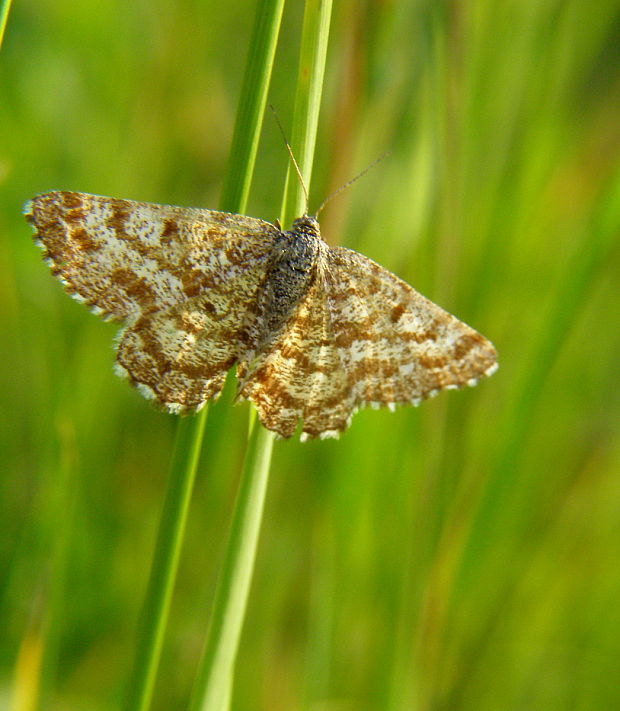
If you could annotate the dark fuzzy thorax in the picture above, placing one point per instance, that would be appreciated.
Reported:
(291, 274)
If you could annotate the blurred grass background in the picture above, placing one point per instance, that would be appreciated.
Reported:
(461, 556)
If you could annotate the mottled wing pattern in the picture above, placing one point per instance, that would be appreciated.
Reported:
(125, 259)
(180, 356)
(182, 279)
(301, 375)
(395, 345)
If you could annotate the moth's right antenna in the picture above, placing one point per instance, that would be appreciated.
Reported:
(346, 185)
(290, 152)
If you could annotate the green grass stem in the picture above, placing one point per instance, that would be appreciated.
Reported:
(214, 682)
(190, 431)
(156, 606)
(315, 34)
(252, 105)
(213, 686)
(4, 16)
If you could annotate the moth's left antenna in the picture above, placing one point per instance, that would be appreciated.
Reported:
(290, 152)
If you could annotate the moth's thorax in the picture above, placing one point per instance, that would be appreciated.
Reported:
(291, 274)
(300, 245)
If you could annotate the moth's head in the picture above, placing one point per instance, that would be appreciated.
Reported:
(307, 225)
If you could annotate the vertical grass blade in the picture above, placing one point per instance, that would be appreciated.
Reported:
(317, 17)
(4, 16)
(156, 604)
(252, 105)
(213, 687)
(190, 431)
(214, 682)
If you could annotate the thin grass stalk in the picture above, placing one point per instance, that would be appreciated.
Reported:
(156, 606)
(213, 686)
(4, 17)
(214, 681)
(317, 18)
(252, 105)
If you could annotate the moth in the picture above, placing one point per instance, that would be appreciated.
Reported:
(316, 332)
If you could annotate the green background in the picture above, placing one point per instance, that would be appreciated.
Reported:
(463, 556)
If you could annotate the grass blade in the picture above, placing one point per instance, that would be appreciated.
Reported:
(156, 604)
(213, 685)
(312, 58)
(213, 688)
(190, 431)
(4, 16)
(252, 105)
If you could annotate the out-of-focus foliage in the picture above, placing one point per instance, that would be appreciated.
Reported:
(461, 556)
